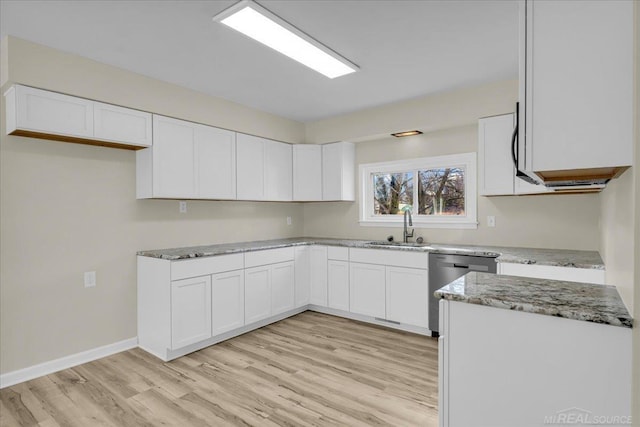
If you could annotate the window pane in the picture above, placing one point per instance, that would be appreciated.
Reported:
(392, 192)
(441, 192)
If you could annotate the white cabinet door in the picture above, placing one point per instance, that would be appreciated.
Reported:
(216, 162)
(496, 171)
(51, 113)
(173, 155)
(578, 84)
(338, 284)
(282, 287)
(250, 167)
(302, 275)
(307, 172)
(227, 295)
(190, 311)
(257, 294)
(318, 275)
(495, 166)
(278, 171)
(367, 289)
(407, 296)
(338, 171)
(119, 124)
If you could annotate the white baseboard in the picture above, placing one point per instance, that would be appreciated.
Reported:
(46, 368)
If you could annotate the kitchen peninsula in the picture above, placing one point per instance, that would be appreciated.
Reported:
(508, 341)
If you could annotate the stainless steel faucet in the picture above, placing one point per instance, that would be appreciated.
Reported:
(406, 233)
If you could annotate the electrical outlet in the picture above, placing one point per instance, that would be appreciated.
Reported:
(289, 222)
(183, 207)
(89, 279)
(491, 221)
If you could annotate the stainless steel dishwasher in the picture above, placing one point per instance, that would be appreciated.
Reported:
(444, 269)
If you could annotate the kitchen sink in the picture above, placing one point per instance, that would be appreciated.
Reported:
(385, 244)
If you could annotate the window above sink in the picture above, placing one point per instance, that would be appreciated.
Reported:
(439, 191)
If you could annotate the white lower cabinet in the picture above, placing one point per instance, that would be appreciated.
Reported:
(302, 275)
(190, 311)
(493, 364)
(318, 275)
(257, 294)
(367, 289)
(282, 287)
(227, 295)
(338, 284)
(407, 295)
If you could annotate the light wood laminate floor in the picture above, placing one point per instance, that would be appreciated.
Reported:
(309, 370)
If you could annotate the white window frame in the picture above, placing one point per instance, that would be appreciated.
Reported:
(466, 161)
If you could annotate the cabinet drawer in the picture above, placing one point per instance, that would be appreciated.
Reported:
(390, 257)
(269, 256)
(338, 253)
(207, 265)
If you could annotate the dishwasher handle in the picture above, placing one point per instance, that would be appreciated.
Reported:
(460, 265)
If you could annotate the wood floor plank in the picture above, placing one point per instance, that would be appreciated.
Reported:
(309, 370)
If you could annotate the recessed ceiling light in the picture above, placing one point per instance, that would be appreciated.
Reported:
(261, 25)
(406, 133)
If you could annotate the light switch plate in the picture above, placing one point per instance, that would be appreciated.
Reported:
(89, 279)
(491, 221)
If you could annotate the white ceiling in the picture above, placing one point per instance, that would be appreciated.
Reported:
(405, 49)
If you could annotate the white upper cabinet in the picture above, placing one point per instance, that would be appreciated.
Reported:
(216, 162)
(278, 171)
(118, 124)
(41, 111)
(496, 171)
(173, 156)
(50, 115)
(250, 167)
(576, 87)
(264, 169)
(307, 172)
(338, 171)
(187, 160)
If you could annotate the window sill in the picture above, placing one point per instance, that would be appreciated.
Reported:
(420, 224)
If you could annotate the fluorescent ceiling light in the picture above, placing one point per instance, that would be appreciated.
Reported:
(261, 25)
(406, 133)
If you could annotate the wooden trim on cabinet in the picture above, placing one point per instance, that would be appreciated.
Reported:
(74, 139)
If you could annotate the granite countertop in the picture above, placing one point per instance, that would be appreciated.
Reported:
(552, 257)
(571, 300)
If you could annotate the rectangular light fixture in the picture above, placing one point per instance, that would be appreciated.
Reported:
(255, 21)
(406, 133)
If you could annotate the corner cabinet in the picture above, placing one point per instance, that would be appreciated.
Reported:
(496, 171)
(187, 161)
(576, 88)
(264, 169)
(44, 114)
(338, 171)
(307, 172)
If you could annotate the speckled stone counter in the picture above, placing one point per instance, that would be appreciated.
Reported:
(571, 300)
(552, 257)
